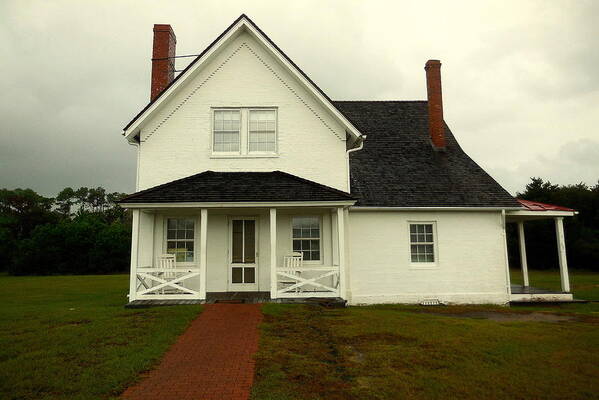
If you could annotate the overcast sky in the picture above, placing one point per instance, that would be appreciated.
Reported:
(520, 78)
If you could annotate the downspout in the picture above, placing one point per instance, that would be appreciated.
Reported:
(360, 147)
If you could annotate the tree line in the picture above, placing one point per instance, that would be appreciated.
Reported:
(84, 231)
(79, 231)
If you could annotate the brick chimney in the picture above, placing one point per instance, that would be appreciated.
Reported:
(435, 103)
(163, 67)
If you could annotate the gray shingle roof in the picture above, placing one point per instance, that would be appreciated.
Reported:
(212, 186)
(398, 166)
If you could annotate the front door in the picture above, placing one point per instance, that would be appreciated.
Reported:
(243, 257)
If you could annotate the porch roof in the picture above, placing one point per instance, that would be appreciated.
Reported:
(238, 187)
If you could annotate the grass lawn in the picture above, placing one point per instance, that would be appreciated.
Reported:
(69, 337)
(412, 352)
(584, 284)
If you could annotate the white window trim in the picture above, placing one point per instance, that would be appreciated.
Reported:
(424, 265)
(196, 233)
(244, 133)
(320, 239)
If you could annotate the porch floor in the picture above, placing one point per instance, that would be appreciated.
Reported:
(528, 294)
(521, 289)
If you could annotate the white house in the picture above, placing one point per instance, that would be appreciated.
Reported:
(251, 179)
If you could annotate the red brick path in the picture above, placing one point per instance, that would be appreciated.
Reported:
(213, 359)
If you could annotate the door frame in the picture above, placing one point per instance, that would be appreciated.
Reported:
(242, 287)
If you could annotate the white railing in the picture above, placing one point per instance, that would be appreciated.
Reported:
(165, 283)
(307, 281)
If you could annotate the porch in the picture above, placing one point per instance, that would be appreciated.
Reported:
(526, 293)
(238, 253)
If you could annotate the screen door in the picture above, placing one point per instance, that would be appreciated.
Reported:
(242, 275)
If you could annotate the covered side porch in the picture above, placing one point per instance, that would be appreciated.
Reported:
(524, 293)
(272, 248)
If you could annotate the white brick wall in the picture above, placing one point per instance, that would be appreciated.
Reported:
(176, 142)
(471, 258)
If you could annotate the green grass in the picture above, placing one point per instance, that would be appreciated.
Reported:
(69, 337)
(412, 352)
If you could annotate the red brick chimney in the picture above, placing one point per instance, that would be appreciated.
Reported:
(435, 103)
(163, 67)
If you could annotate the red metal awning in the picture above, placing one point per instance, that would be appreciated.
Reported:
(538, 206)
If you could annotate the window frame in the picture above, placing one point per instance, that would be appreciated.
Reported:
(244, 133)
(320, 261)
(213, 136)
(195, 238)
(262, 153)
(435, 243)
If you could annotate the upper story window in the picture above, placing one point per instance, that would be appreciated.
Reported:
(244, 132)
(262, 131)
(226, 131)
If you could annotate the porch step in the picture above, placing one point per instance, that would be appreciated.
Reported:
(232, 301)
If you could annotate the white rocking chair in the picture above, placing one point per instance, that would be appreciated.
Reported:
(293, 261)
(167, 262)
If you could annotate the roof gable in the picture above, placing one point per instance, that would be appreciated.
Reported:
(241, 24)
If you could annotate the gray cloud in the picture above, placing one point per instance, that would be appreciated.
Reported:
(520, 83)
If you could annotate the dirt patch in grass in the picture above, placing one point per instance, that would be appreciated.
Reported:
(512, 317)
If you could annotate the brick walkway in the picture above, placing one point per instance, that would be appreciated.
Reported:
(213, 359)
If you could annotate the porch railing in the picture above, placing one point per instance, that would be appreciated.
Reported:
(165, 283)
(308, 281)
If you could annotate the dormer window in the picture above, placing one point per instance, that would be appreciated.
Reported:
(244, 132)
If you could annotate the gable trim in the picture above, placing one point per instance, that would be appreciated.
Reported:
(242, 22)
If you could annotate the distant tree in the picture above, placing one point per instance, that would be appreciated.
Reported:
(82, 196)
(96, 199)
(64, 201)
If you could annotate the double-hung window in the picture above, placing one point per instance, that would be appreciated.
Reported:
(244, 132)
(422, 243)
(226, 134)
(262, 131)
(306, 237)
(180, 238)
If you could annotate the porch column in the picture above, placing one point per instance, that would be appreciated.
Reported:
(523, 261)
(134, 253)
(273, 253)
(203, 251)
(341, 241)
(561, 253)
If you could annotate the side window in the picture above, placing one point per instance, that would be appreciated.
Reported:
(306, 237)
(422, 243)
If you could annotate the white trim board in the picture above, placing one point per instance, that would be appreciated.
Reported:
(239, 204)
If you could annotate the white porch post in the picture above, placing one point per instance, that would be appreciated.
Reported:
(134, 253)
(523, 261)
(203, 251)
(561, 253)
(273, 253)
(341, 241)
